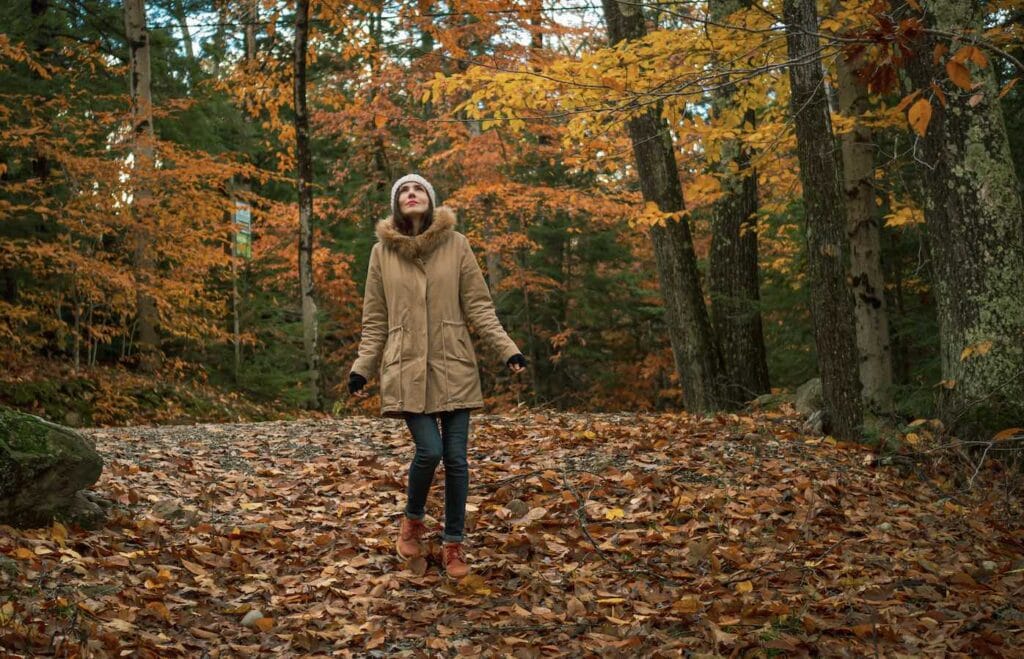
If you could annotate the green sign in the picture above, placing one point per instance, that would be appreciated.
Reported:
(243, 230)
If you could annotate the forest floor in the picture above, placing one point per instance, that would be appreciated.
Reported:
(589, 535)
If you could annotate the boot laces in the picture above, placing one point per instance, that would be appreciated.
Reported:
(453, 552)
(413, 529)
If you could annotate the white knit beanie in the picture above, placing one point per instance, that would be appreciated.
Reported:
(406, 179)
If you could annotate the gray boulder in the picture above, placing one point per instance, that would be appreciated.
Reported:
(43, 468)
(808, 397)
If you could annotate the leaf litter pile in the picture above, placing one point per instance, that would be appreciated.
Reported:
(596, 534)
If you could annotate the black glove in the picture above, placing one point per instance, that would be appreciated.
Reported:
(355, 382)
(516, 359)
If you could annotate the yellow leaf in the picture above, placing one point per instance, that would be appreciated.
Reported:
(978, 349)
(912, 438)
(959, 74)
(686, 604)
(59, 533)
(611, 600)
(614, 513)
(744, 586)
(250, 505)
(919, 115)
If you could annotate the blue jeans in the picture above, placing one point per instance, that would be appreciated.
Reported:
(432, 446)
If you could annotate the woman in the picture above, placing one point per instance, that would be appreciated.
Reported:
(423, 285)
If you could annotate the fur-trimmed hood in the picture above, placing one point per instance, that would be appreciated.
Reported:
(412, 247)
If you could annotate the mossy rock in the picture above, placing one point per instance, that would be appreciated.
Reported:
(43, 466)
(809, 397)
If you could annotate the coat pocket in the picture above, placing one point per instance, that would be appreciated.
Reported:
(457, 344)
(393, 346)
(391, 367)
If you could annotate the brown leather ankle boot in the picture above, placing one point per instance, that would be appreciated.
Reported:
(409, 534)
(454, 559)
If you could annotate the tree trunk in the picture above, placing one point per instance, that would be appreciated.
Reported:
(252, 15)
(304, 160)
(181, 15)
(864, 228)
(143, 141)
(696, 353)
(831, 302)
(975, 222)
(733, 281)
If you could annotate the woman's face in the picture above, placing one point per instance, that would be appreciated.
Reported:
(413, 200)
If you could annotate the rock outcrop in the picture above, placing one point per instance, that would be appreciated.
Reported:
(44, 468)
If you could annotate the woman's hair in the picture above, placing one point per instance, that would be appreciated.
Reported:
(404, 224)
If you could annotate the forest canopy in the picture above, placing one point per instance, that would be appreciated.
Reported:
(677, 205)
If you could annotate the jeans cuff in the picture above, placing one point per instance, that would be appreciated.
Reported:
(414, 515)
(450, 538)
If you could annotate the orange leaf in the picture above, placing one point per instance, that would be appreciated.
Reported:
(160, 609)
(972, 54)
(919, 115)
(265, 624)
(940, 50)
(194, 568)
(959, 74)
(24, 553)
(907, 100)
(1007, 87)
(1009, 433)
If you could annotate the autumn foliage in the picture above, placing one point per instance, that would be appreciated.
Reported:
(516, 111)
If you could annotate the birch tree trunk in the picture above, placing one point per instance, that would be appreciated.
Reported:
(863, 226)
(733, 281)
(143, 139)
(697, 358)
(975, 224)
(304, 160)
(831, 302)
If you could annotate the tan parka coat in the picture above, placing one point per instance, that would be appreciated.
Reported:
(420, 293)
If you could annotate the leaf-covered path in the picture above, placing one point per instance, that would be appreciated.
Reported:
(613, 534)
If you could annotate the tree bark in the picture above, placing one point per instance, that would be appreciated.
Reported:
(864, 227)
(697, 358)
(831, 301)
(143, 141)
(252, 15)
(733, 281)
(304, 160)
(975, 225)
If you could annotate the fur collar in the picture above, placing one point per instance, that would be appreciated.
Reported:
(412, 247)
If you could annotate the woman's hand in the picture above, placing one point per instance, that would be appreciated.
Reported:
(517, 363)
(356, 383)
